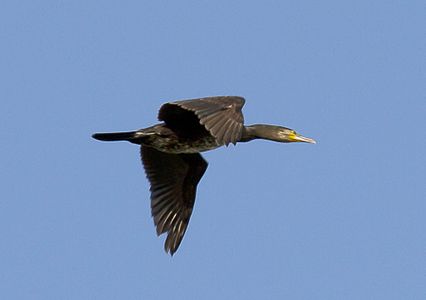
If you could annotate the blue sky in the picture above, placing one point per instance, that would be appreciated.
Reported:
(342, 219)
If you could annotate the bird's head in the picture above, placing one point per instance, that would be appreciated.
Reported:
(278, 134)
(287, 135)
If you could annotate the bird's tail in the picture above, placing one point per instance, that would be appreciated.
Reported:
(115, 136)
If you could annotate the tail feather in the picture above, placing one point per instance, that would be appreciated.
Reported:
(115, 136)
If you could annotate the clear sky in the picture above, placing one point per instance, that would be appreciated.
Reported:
(342, 219)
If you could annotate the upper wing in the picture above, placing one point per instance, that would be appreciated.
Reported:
(174, 179)
(221, 116)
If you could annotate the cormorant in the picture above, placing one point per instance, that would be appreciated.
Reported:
(171, 153)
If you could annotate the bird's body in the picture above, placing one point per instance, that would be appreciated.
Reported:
(166, 140)
(162, 138)
(170, 153)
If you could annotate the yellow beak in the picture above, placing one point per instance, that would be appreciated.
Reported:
(301, 138)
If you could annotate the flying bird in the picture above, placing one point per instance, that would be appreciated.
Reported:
(171, 156)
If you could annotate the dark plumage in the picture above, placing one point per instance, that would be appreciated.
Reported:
(171, 158)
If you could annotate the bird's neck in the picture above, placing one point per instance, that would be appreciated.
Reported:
(258, 131)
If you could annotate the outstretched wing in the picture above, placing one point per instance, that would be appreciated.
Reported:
(221, 116)
(174, 179)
